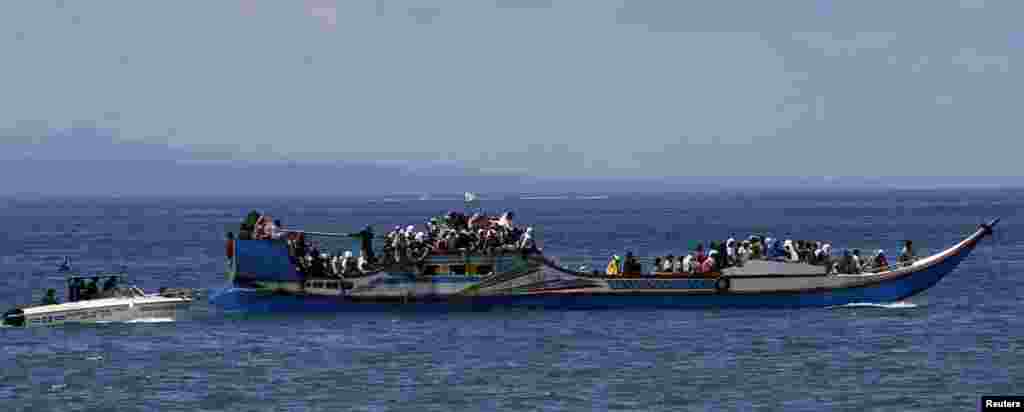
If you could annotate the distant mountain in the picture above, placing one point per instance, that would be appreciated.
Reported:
(85, 162)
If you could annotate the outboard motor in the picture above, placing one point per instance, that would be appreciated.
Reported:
(14, 317)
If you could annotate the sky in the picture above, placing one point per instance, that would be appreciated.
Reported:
(561, 89)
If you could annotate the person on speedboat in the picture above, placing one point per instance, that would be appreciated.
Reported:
(858, 264)
(110, 287)
(92, 289)
(50, 298)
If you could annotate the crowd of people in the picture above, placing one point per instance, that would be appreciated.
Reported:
(453, 232)
(480, 234)
(721, 255)
(456, 232)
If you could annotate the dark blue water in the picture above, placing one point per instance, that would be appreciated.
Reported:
(941, 351)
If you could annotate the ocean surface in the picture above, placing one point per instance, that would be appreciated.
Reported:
(941, 350)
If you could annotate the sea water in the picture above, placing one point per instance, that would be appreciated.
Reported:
(941, 350)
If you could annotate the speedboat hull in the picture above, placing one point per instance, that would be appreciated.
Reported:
(117, 309)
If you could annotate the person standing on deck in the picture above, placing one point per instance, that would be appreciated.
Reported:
(613, 266)
(907, 254)
(365, 237)
(229, 247)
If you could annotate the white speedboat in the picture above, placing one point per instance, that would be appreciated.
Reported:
(88, 303)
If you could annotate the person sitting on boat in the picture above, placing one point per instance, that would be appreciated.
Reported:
(527, 243)
(792, 254)
(858, 265)
(776, 250)
(349, 264)
(684, 264)
(50, 298)
(657, 263)
(907, 254)
(708, 265)
(229, 247)
(730, 251)
(613, 266)
(505, 220)
(846, 262)
(721, 258)
(755, 246)
(880, 263)
(742, 253)
(110, 287)
(92, 289)
(262, 228)
(818, 254)
(362, 264)
(632, 265)
(248, 228)
(277, 231)
(334, 264)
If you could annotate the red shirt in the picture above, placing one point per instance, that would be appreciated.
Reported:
(230, 248)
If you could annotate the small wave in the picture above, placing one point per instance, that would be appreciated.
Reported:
(602, 197)
(894, 305)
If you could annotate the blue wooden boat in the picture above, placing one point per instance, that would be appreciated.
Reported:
(264, 278)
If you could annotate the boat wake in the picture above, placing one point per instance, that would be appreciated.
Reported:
(894, 305)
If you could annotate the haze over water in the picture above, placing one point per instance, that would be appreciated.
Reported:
(940, 350)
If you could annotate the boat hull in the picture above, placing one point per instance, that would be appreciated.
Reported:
(101, 311)
(574, 291)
